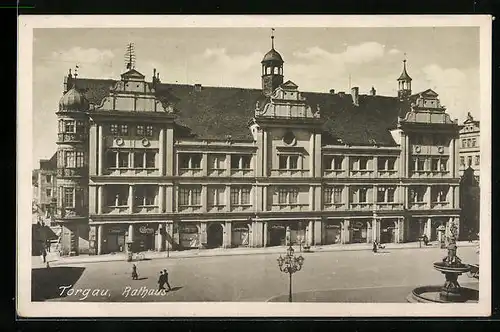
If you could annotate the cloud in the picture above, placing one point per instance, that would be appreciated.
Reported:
(393, 51)
(361, 53)
(92, 62)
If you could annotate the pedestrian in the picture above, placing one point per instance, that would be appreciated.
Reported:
(374, 246)
(425, 239)
(44, 255)
(165, 276)
(161, 281)
(135, 276)
(470, 236)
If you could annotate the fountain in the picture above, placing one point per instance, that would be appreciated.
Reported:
(451, 292)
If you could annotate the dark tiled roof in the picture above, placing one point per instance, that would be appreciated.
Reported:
(216, 112)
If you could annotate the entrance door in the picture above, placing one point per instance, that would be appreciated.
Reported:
(277, 236)
(113, 245)
(215, 235)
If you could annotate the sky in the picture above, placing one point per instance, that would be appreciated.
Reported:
(445, 59)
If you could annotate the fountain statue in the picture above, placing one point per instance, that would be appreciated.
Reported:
(451, 266)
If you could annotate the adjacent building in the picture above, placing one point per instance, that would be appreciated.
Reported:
(469, 153)
(44, 189)
(173, 166)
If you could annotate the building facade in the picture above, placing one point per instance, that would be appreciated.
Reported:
(469, 154)
(44, 189)
(171, 166)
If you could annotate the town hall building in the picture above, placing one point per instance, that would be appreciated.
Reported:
(166, 166)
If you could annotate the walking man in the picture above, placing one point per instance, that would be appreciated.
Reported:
(161, 281)
(44, 254)
(165, 279)
(135, 276)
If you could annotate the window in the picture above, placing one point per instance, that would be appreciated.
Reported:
(464, 143)
(111, 159)
(288, 162)
(443, 164)
(240, 195)
(288, 196)
(473, 142)
(190, 196)
(117, 195)
(80, 162)
(113, 128)
(363, 163)
(216, 196)
(386, 194)
(150, 159)
(439, 193)
(48, 178)
(435, 164)
(149, 131)
(477, 160)
(48, 192)
(123, 129)
(68, 197)
(218, 161)
(123, 159)
(189, 161)
(462, 161)
(69, 159)
(69, 126)
(333, 195)
(417, 194)
(421, 164)
(240, 161)
(333, 163)
(469, 160)
(362, 193)
(139, 159)
(80, 127)
(140, 130)
(386, 164)
(145, 195)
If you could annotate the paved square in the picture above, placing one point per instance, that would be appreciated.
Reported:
(342, 276)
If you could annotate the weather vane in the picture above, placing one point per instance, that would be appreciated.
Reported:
(76, 71)
(272, 38)
(130, 56)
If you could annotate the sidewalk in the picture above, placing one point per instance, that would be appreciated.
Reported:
(67, 260)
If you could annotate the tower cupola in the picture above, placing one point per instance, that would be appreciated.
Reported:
(404, 83)
(73, 100)
(272, 70)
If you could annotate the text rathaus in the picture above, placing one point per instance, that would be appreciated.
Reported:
(173, 166)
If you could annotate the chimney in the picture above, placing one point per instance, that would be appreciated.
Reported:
(341, 94)
(373, 92)
(197, 87)
(332, 91)
(355, 95)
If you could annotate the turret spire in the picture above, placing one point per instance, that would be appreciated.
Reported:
(272, 38)
(404, 82)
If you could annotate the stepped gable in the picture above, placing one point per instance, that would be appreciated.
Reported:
(219, 112)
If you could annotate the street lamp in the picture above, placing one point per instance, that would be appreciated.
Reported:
(290, 264)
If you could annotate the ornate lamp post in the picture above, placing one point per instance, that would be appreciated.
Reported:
(290, 264)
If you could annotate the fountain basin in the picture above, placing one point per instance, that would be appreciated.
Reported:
(458, 269)
(431, 294)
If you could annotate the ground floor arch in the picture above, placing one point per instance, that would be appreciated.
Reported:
(359, 231)
(388, 230)
(215, 235)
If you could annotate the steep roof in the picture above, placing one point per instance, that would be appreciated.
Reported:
(218, 112)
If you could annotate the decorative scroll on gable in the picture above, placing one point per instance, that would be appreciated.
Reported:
(426, 108)
(286, 102)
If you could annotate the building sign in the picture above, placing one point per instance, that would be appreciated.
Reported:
(188, 228)
(277, 226)
(146, 230)
(116, 231)
(332, 226)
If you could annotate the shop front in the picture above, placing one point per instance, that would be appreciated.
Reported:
(277, 234)
(438, 230)
(116, 238)
(333, 232)
(189, 236)
(144, 239)
(388, 231)
(359, 231)
(416, 228)
(240, 236)
(215, 235)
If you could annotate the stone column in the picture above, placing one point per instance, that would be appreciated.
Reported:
(161, 152)
(100, 199)
(318, 224)
(130, 232)
(369, 232)
(161, 199)
(227, 198)
(265, 234)
(169, 236)
(203, 234)
(204, 164)
(169, 155)
(100, 231)
(347, 165)
(169, 198)
(310, 233)
(100, 155)
(375, 166)
(429, 197)
(428, 228)
(403, 157)
(375, 227)
(92, 199)
(93, 150)
(228, 232)
(311, 198)
(346, 231)
(317, 156)
(160, 238)
(265, 198)
(204, 201)
(407, 156)
(346, 193)
(456, 198)
(131, 198)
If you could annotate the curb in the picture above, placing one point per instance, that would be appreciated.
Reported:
(72, 261)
